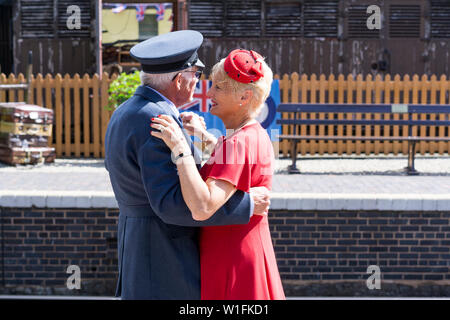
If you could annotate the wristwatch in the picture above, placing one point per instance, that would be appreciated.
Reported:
(181, 155)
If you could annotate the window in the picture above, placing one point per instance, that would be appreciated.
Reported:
(404, 21)
(148, 27)
(357, 23)
(320, 19)
(283, 19)
(85, 17)
(258, 18)
(37, 18)
(243, 18)
(440, 22)
(214, 10)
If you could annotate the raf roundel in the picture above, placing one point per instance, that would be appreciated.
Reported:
(170, 52)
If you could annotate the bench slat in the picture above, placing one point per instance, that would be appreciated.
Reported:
(364, 122)
(415, 138)
(363, 108)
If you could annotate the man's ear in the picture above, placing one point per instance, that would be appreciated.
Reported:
(177, 81)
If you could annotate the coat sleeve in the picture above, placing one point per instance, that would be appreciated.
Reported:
(162, 186)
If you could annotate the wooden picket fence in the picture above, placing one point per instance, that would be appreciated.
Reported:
(304, 89)
(82, 114)
(80, 106)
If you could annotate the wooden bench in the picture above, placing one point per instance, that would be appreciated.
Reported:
(410, 109)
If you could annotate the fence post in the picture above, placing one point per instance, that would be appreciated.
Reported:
(21, 93)
(285, 84)
(48, 85)
(313, 86)
(58, 115)
(387, 99)
(86, 117)
(11, 92)
(349, 128)
(443, 86)
(77, 114)
(67, 116)
(104, 112)
(368, 146)
(433, 88)
(340, 128)
(359, 91)
(331, 146)
(2, 92)
(406, 99)
(425, 85)
(397, 88)
(323, 84)
(96, 115)
(38, 86)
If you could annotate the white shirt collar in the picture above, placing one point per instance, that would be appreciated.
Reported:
(171, 104)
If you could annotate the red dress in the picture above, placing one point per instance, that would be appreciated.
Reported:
(238, 261)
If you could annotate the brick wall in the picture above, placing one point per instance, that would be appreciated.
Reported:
(38, 245)
(328, 253)
(318, 253)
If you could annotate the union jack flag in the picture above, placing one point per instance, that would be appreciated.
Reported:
(201, 102)
(140, 8)
(119, 8)
(160, 11)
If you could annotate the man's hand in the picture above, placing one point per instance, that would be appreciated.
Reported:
(193, 123)
(261, 198)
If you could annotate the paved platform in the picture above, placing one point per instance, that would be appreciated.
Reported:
(326, 183)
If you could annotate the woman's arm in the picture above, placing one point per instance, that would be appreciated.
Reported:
(202, 198)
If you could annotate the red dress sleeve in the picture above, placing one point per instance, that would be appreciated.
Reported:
(230, 162)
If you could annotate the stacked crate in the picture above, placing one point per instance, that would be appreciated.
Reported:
(24, 133)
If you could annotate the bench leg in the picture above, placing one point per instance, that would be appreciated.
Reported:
(410, 170)
(292, 169)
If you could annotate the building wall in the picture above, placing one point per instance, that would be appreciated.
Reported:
(328, 36)
(319, 253)
(41, 28)
(124, 25)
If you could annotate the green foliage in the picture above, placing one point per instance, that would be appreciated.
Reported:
(122, 88)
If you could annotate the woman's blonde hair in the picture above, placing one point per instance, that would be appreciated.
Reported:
(260, 88)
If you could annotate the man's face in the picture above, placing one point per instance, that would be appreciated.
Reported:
(187, 82)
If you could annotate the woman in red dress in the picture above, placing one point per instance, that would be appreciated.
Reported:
(237, 261)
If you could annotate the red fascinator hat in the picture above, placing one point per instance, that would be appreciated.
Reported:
(244, 66)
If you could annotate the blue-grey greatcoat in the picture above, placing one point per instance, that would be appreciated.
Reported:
(157, 237)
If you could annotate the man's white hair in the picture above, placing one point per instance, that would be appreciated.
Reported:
(157, 81)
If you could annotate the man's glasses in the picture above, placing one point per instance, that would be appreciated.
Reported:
(198, 74)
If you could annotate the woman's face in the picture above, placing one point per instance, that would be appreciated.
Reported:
(224, 101)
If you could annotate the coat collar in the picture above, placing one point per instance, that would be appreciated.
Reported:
(156, 97)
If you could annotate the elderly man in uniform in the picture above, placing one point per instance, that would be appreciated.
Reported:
(158, 249)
